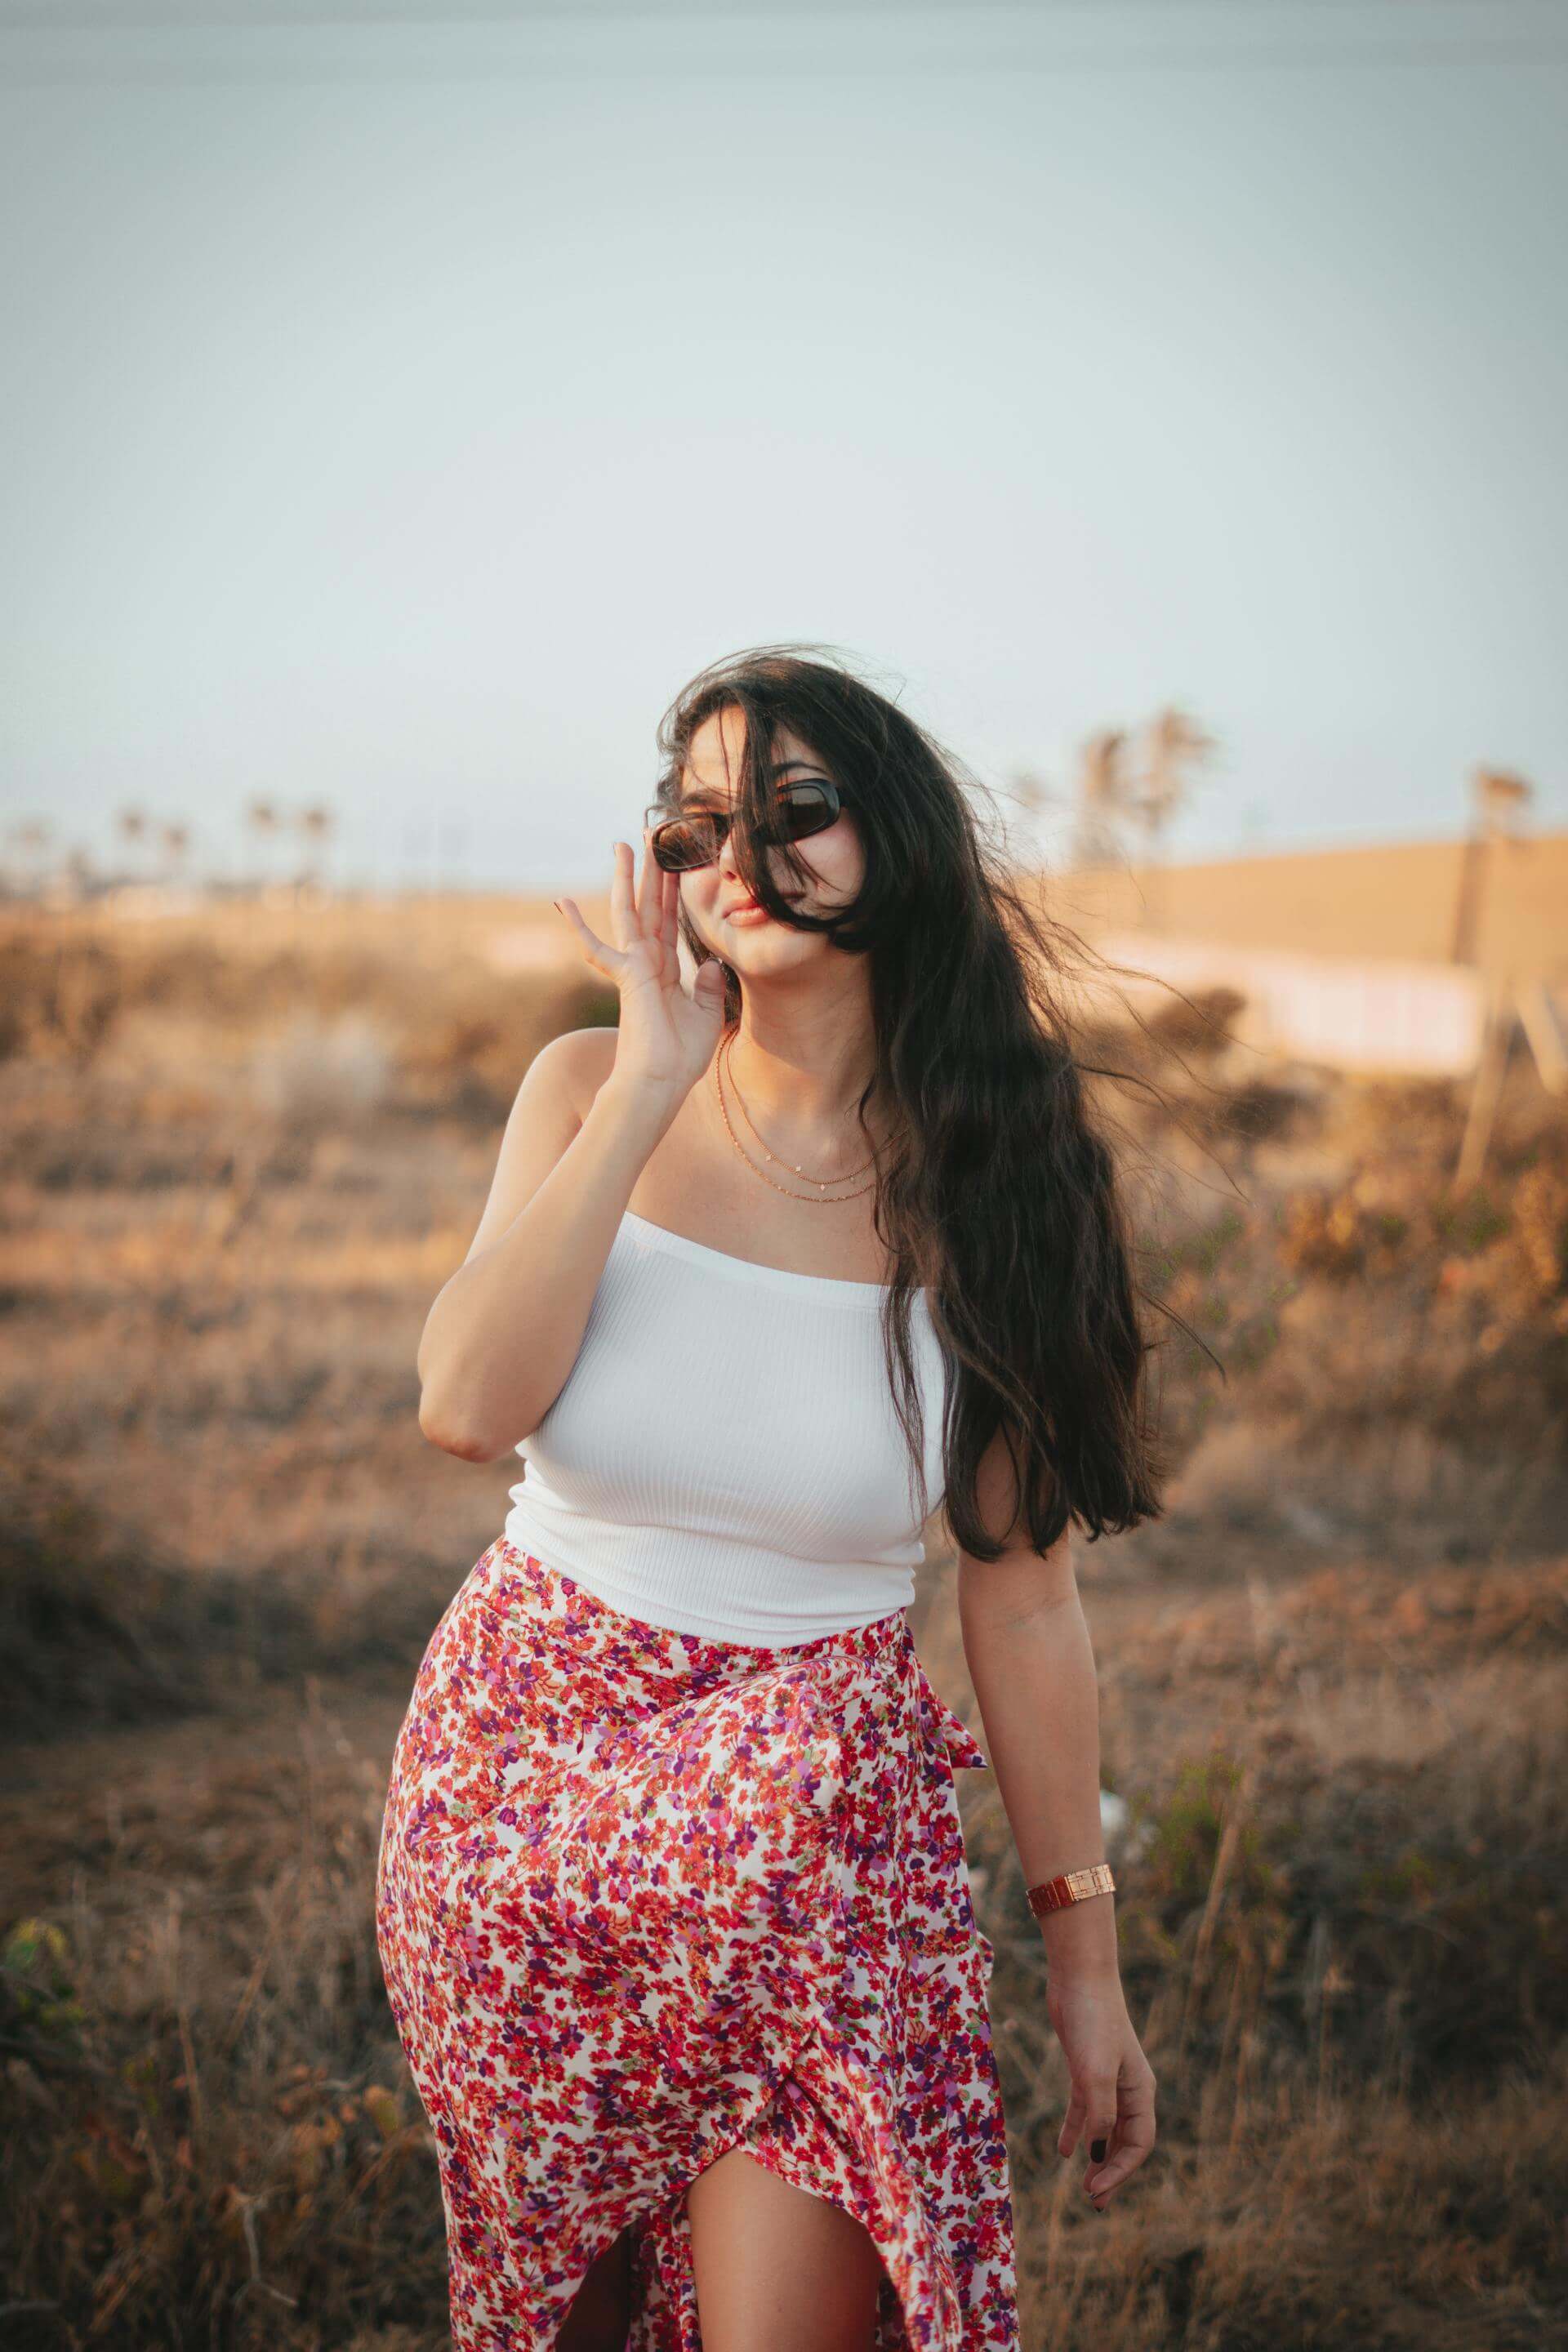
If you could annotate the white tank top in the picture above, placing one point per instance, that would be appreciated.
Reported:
(724, 1458)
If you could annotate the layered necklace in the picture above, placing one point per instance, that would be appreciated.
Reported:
(822, 1197)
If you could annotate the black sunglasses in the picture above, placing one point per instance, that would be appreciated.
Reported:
(695, 839)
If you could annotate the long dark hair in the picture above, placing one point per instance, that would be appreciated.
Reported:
(998, 1191)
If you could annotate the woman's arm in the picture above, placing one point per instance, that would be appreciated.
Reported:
(1032, 1663)
(1028, 1646)
(504, 1331)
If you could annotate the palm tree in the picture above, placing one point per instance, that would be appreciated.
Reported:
(316, 824)
(261, 816)
(132, 827)
(1501, 800)
(1498, 800)
(1174, 742)
(1103, 799)
(176, 840)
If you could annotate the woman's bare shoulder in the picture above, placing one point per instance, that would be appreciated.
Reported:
(577, 1062)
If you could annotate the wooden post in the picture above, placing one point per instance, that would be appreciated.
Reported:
(1543, 1027)
(1487, 1085)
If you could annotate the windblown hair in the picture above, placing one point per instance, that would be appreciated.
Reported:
(997, 1188)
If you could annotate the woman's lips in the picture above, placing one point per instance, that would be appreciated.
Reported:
(751, 911)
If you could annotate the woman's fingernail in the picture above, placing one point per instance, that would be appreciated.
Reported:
(1097, 2149)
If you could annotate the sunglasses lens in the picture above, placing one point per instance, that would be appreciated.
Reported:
(806, 809)
(680, 844)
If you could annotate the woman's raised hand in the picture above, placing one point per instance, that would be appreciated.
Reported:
(668, 1033)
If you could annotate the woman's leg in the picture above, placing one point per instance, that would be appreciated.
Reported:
(601, 2310)
(776, 2268)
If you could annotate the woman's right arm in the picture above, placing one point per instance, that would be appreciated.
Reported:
(504, 1332)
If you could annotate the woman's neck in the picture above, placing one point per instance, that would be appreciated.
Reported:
(804, 1089)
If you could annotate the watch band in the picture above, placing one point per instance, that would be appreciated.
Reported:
(1070, 1887)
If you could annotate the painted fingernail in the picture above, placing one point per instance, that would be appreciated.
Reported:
(1097, 2149)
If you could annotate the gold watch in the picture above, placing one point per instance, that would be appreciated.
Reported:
(1070, 1887)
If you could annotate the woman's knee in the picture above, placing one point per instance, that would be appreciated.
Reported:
(777, 2268)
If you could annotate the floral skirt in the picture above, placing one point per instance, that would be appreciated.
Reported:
(645, 1897)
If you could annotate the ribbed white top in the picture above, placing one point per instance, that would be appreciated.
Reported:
(724, 1458)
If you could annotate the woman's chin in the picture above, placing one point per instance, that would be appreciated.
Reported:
(767, 946)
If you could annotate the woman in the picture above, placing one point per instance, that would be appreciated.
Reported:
(673, 1905)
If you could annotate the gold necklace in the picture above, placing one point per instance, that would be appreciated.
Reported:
(822, 1182)
(821, 1201)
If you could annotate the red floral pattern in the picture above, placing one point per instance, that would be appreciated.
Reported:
(643, 1897)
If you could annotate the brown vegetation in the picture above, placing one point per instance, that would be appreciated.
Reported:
(234, 1175)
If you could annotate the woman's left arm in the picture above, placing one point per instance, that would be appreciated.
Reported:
(1028, 1646)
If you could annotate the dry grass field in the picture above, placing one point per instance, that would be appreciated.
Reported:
(240, 1154)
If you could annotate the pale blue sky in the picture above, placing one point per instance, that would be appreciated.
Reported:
(396, 412)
